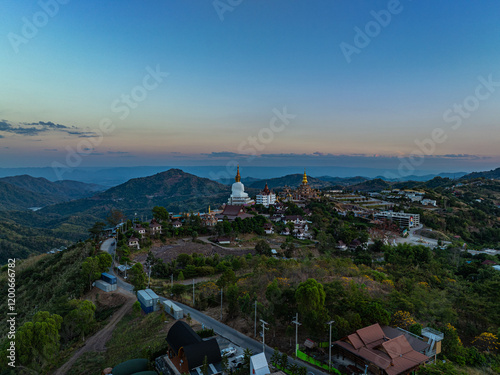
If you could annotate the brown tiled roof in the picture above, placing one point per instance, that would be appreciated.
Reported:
(370, 334)
(355, 341)
(395, 355)
(232, 210)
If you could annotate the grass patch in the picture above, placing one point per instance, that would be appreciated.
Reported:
(133, 337)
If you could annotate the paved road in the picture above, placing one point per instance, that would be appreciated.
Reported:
(110, 247)
(239, 338)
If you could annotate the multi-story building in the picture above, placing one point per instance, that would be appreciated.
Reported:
(403, 219)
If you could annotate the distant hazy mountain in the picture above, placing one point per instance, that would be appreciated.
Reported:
(493, 174)
(426, 177)
(62, 190)
(291, 180)
(344, 180)
(375, 185)
(22, 192)
(16, 198)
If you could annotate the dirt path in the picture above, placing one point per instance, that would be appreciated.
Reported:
(97, 343)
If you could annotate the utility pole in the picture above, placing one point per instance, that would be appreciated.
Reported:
(171, 280)
(297, 324)
(330, 346)
(221, 291)
(193, 291)
(149, 275)
(125, 270)
(263, 335)
(255, 321)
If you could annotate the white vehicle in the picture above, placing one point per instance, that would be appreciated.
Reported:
(228, 352)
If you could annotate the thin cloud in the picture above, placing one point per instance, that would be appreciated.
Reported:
(35, 128)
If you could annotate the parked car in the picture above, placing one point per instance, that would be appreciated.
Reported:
(228, 352)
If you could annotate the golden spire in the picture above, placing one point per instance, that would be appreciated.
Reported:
(238, 177)
(304, 179)
(208, 209)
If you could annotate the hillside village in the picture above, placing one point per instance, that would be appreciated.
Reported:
(375, 282)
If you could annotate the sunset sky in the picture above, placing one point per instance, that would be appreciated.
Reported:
(324, 82)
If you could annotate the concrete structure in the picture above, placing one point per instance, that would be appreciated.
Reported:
(258, 365)
(238, 195)
(401, 218)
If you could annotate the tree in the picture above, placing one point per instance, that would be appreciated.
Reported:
(204, 367)
(310, 295)
(38, 341)
(160, 213)
(263, 248)
(137, 276)
(104, 260)
(310, 298)
(79, 321)
(91, 269)
(487, 341)
(97, 230)
(115, 217)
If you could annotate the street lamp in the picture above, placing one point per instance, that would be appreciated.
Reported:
(263, 335)
(330, 345)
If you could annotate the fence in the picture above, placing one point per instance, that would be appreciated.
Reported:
(303, 356)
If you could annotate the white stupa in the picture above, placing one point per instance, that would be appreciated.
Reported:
(238, 195)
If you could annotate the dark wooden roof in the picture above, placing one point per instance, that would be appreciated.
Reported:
(181, 335)
(195, 354)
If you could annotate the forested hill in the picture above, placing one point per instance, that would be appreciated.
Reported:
(23, 192)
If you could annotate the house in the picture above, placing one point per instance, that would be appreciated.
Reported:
(285, 232)
(177, 224)
(154, 227)
(232, 212)
(386, 350)
(258, 365)
(341, 246)
(223, 240)
(140, 229)
(354, 244)
(268, 228)
(187, 351)
(133, 242)
(296, 219)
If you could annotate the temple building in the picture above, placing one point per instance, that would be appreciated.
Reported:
(238, 195)
(266, 197)
(301, 194)
(304, 191)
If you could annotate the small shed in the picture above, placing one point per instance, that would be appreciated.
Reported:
(258, 365)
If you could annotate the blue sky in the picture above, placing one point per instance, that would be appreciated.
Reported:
(230, 73)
